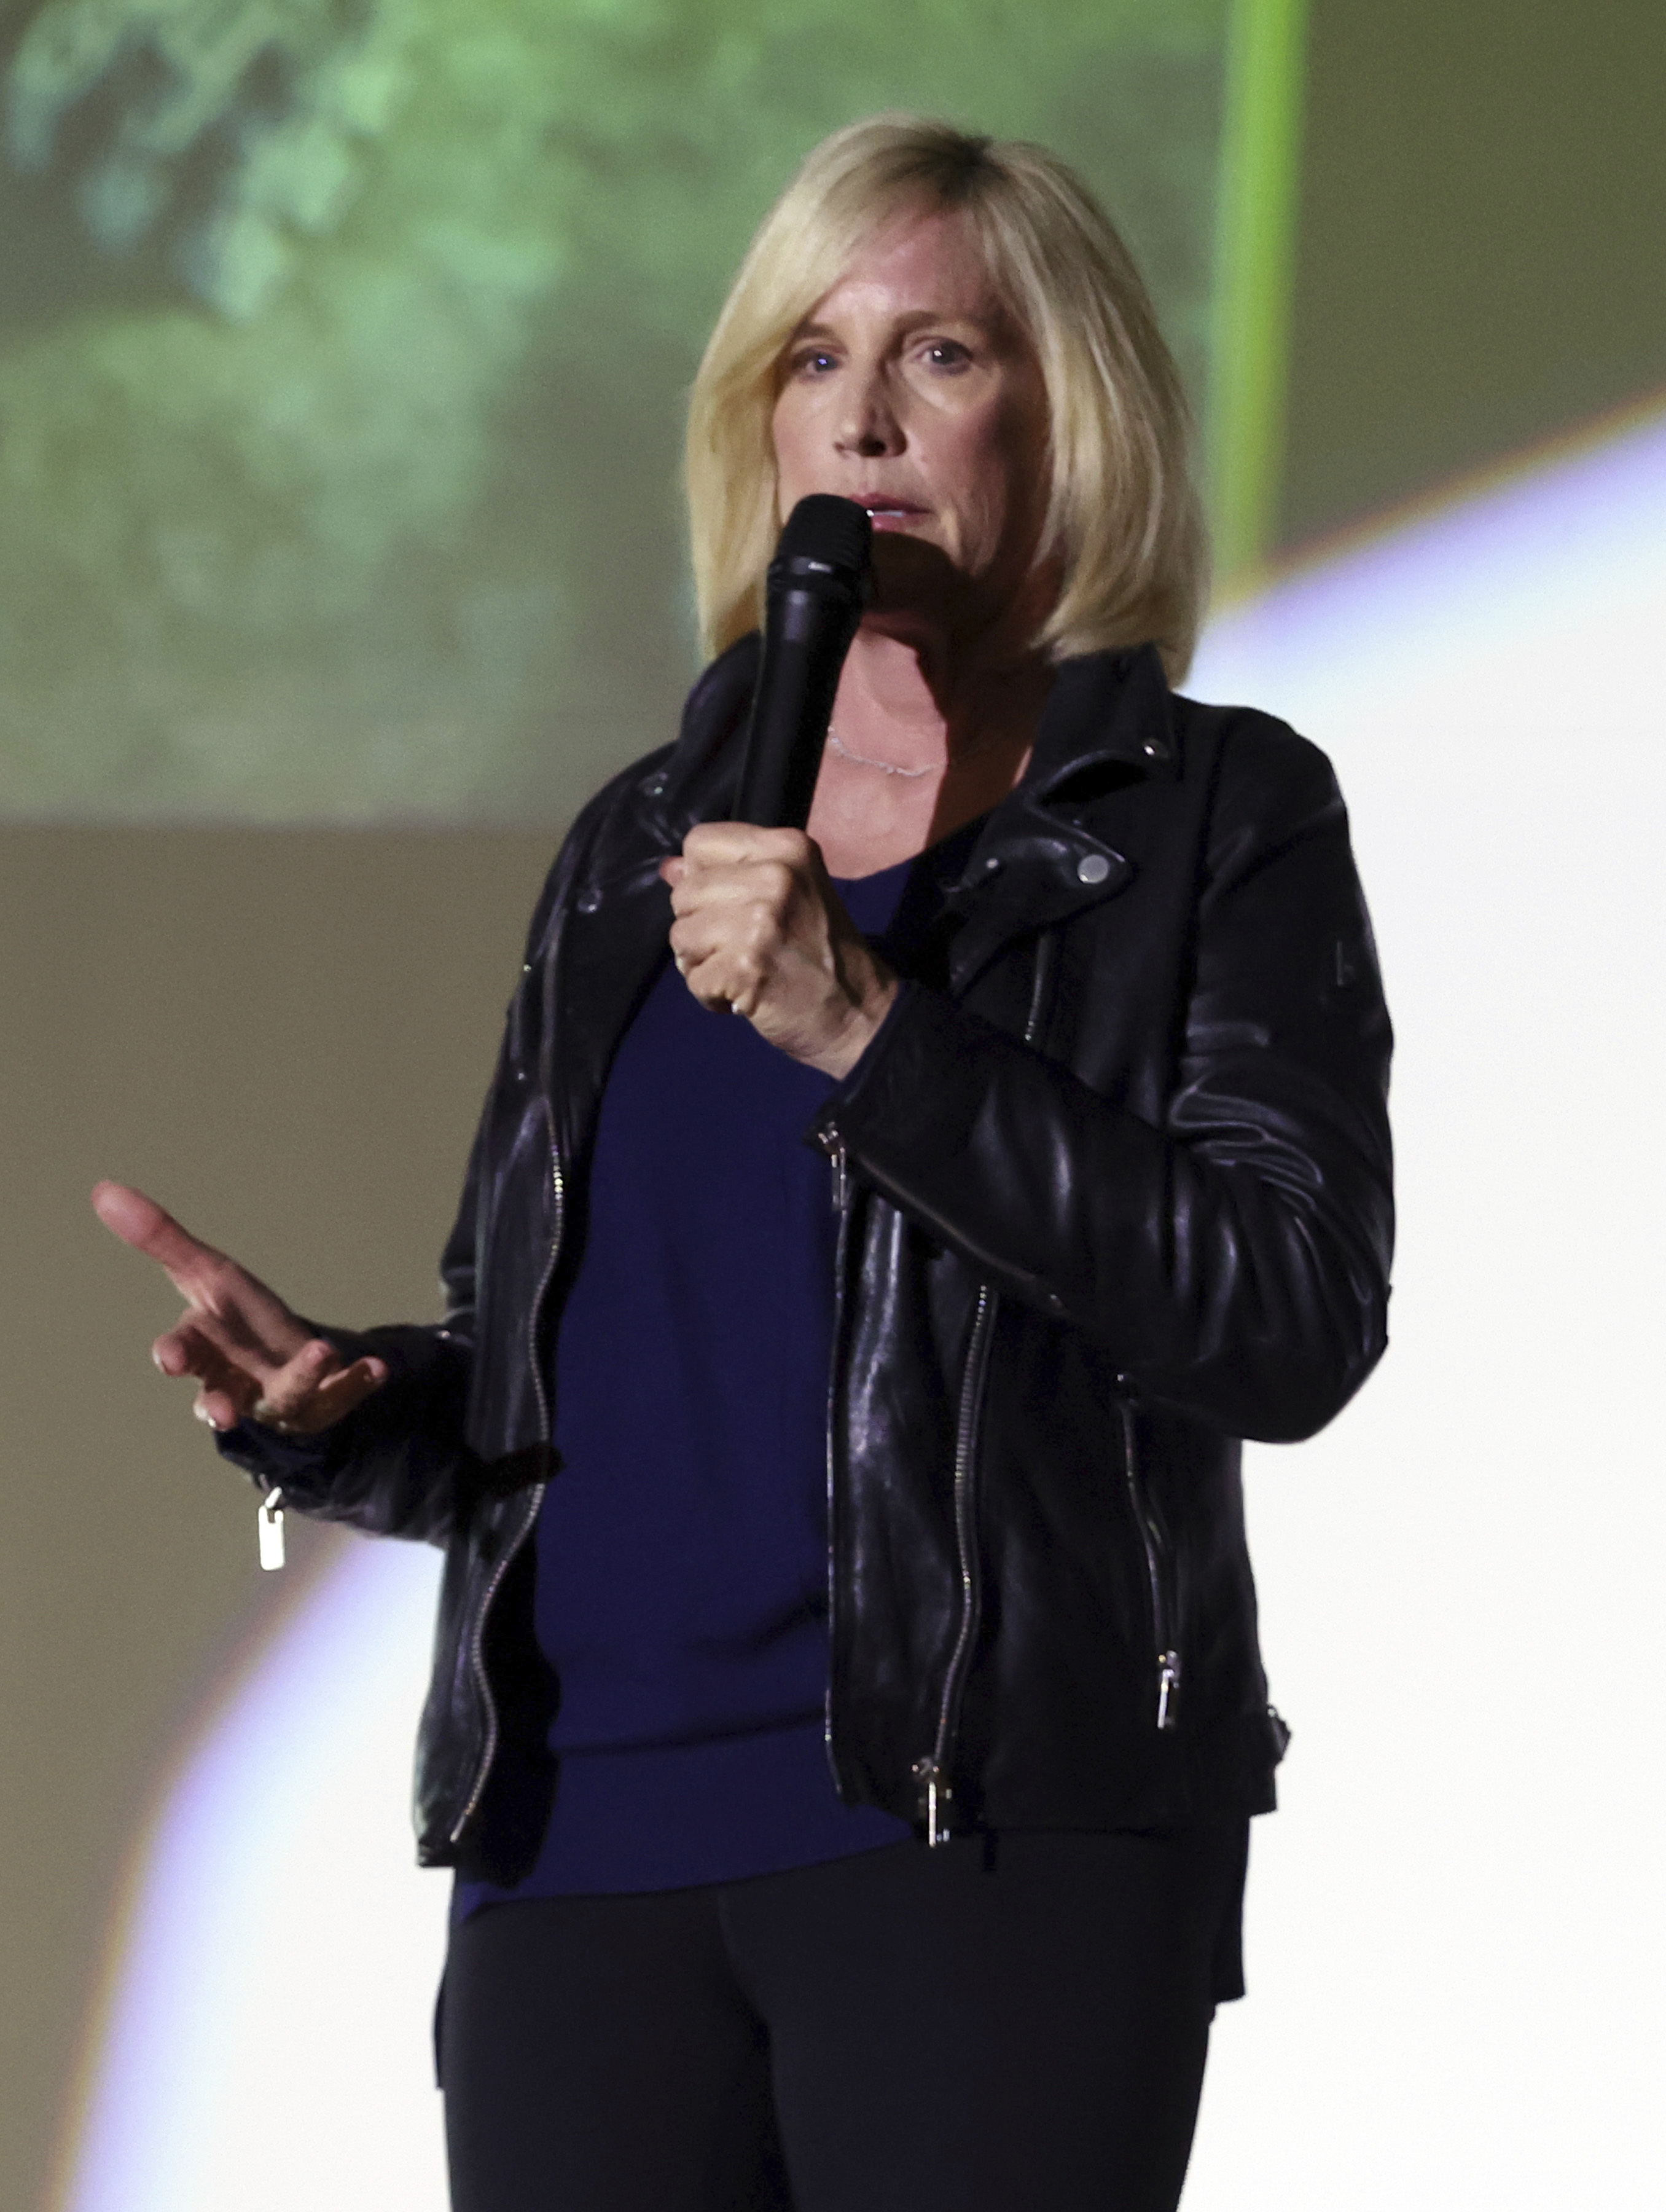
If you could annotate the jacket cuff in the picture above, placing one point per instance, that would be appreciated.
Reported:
(274, 1460)
(876, 1043)
(896, 1087)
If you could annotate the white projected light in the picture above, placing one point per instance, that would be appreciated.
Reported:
(1454, 1925)
(268, 2047)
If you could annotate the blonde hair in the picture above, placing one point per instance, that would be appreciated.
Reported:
(1123, 520)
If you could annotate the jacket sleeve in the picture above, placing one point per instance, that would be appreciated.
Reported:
(1233, 1256)
(396, 1466)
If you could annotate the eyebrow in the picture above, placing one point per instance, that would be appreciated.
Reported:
(917, 318)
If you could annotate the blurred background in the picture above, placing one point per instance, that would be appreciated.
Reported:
(342, 346)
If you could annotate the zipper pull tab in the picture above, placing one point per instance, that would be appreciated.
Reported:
(834, 1145)
(934, 1794)
(1168, 1689)
(270, 1521)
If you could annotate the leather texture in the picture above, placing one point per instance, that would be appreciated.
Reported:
(1117, 1182)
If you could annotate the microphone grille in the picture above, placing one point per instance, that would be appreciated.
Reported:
(825, 528)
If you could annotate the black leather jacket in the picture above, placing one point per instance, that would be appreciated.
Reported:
(1115, 1190)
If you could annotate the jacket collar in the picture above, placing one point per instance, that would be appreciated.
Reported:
(1059, 843)
(697, 779)
(1045, 852)
(1106, 711)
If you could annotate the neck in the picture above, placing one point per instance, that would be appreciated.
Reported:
(919, 703)
(959, 729)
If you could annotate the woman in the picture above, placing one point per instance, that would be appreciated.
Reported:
(1071, 981)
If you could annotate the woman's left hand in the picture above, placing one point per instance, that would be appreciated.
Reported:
(759, 931)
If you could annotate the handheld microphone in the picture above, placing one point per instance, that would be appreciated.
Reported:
(816, 588)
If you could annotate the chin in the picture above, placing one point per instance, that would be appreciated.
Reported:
(910, 571)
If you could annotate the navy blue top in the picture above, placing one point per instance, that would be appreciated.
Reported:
(681, 1550)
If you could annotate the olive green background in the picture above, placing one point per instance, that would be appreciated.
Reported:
(283, 1031)
(1481, 243)
(342, 349)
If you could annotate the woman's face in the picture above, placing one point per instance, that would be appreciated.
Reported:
(910, 389)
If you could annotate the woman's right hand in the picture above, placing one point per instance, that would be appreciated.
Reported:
(251, 1356)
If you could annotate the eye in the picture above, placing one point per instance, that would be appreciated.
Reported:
(947, 354)
(815, 361)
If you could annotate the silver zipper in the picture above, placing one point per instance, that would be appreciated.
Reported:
(1163, 1624)
(932, 1773)
(535, 1501)
(841, 1193)
(558, 1230)
(1168, 1689)
(477, 1659)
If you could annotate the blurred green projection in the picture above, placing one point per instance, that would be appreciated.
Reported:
(342, 347)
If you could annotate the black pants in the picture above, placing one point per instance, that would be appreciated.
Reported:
(1016, 2025)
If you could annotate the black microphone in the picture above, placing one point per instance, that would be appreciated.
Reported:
(815, 590)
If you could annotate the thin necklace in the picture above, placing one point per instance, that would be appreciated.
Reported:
(909, 775)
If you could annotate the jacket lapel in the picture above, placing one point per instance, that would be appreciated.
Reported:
(1067, 838)
(612, 942)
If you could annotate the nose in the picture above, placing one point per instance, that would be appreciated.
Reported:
(868, 428)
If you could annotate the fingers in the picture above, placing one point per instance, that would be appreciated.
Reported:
(337, 1397)
(219, 1409)
(319, 1392)
(769, 884)
(302, 1396)
(285, 1392)
(261, 1344)
(758, 927)
(743, 927)
(224, 1392)
(775, 891)
(726, 861)
(726, 844)
(726, 953)
(739, 894)
(140, 1221)
(232, 1308)
(191, 1348)
(309, 1395)
(250, 1355)
(230, 1384)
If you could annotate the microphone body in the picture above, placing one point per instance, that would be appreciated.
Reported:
(816, 588)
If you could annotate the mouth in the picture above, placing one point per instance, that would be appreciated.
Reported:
(887, 512)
